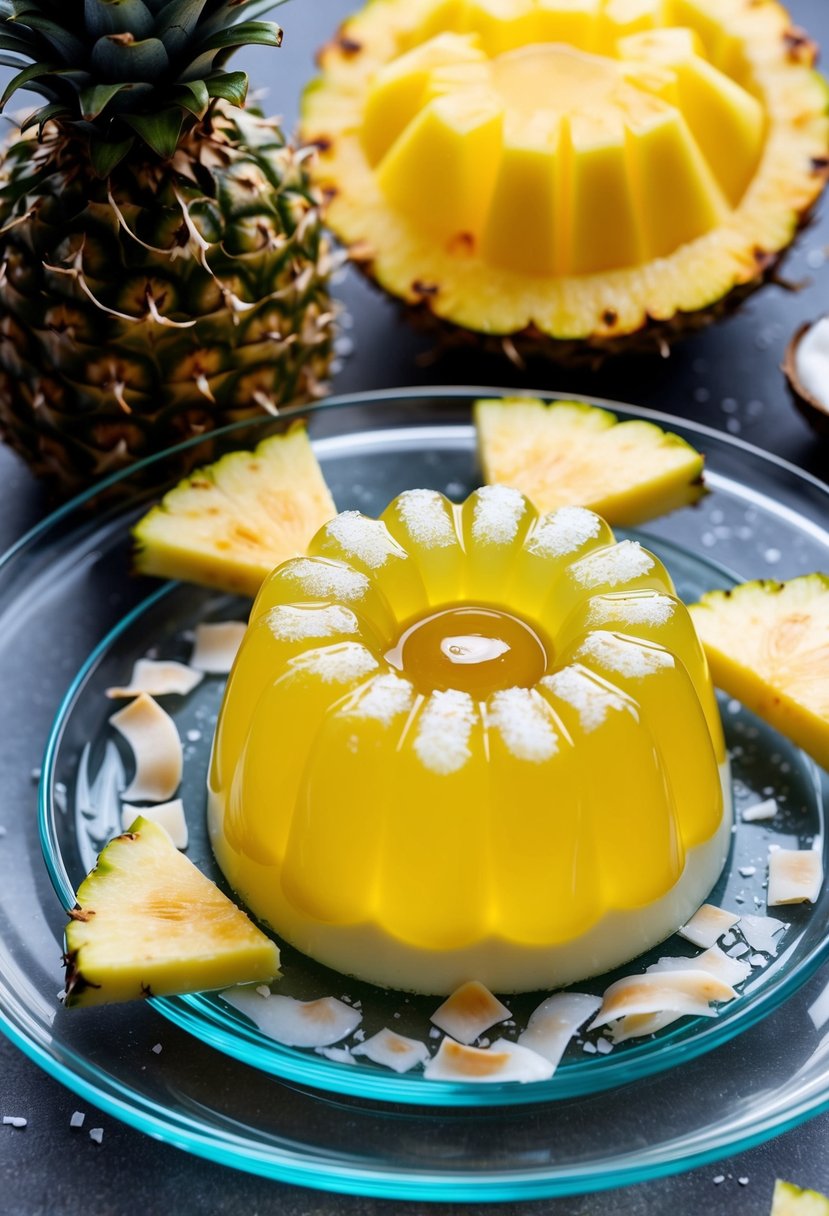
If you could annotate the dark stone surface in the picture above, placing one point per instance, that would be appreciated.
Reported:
(729, 378)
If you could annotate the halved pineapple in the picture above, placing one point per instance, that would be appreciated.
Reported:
(227, 525)
(791, 1200)
(148, 923)
(571, 454)
(768, 646)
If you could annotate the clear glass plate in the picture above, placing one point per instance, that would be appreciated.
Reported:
(67, 607)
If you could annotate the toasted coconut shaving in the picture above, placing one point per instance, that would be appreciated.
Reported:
(393, 1050)
(168, 815)
(216, 645)
(469, 1011)
(159, 679)
(795, 875)
(296, 1023)
(707, 926)
(715, 961)
(763, 933)
(503, 1061)
(639, 1024)
(681, 992)
(555, 1021)
(156, 746)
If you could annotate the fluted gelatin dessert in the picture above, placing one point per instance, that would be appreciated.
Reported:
(470, 742)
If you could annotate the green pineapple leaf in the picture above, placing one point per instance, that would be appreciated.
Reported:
(105, 155)
(29, 75)
(96, 99)
(159, 131)
(230, 86)
(120, 57)
(118, 17)
(193, 96)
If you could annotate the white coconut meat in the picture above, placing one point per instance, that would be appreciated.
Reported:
(469, 1012)
(795, 876)
(707, 925)
(759, 812)
(168, 815)
(296, 1023)
(216, 646)
(151, 734)
(715, 961)
(687, 992)
(393, 1050)
(763, 933)
(159, 678)
(555, 1021)
(503, 1061)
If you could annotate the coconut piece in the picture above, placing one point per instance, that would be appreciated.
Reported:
(795, 875)
(469, 1011)
(639, 1024)
(689, 991)
(806, 367)
(763, 933)
(168, 815)
(708, 925)
(296, 1023)
(554, 1022)
(715, 961)
(758, 812)
(156, 746)
(503, 1061)
(338, 1055)
(158, 678)
(393, 1050)
(216, 645)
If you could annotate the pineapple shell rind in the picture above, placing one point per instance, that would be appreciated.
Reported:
(89, 380)
(762, 638)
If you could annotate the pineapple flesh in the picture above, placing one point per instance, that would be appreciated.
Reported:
(162, 256)
(768, 645)
(791, 1200)
(148, 923)
(230, 523)
(610, 171)
(572, 454)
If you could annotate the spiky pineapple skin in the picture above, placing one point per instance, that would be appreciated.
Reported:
(159, 304)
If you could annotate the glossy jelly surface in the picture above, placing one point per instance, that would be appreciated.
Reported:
(470, 741)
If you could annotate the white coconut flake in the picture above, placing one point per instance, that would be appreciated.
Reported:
(604, 1047)
(613, 565)
(14, 1121)
(96, 1134)
(393, 1050)
(763, 933)
(338, 1055)
(503, 1061)
(324, 579)
(714, 960)
(738, 951)
(339, 664)
(554, 1022)
(626, 657)
(367, 540)
(382, 699)
(819, 1009)
(296, 1023)
(295, 623)
(469, 1011)
(77, 1120)
(748, 871)
(795, 876)
(523, 721)
(637, 1025)
(496, 515)
(759, 811)
(563, 531)
(591, 699)
(690, 991)
(425, 516)
(168, 815)
(636, 608)
(156, 746)
(216, 645)
(158, 678)
(443, 731)
(708, 925)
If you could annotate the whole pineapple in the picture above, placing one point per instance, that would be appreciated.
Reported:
(162, 263)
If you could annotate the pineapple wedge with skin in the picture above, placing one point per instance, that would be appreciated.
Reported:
(148, 923)
(790, 1200)
(768, 645)
(229, 524)
(568, 453)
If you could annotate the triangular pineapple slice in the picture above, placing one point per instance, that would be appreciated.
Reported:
(148, 923)
(790, 1200)
(768, 646)
(227, 525)
(571, 454)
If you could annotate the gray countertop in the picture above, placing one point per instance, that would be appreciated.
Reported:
(729, 378)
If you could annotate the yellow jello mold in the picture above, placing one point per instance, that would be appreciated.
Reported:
(470, 741)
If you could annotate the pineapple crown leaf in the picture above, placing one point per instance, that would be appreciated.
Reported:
(113, 71)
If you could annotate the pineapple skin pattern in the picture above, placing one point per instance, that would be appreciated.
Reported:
(156, 298)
